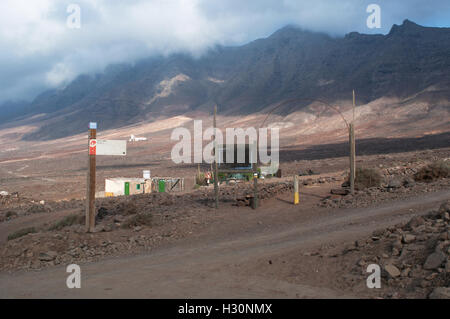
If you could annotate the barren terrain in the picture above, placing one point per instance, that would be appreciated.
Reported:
(178, 245)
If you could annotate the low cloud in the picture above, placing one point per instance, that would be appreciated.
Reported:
(39, 51)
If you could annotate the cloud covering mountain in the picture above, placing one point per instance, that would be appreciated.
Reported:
(39, 51)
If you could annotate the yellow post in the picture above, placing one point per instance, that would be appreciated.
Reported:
(296, 194)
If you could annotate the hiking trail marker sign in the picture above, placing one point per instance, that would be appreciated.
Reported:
(98, 147)
(108, 147)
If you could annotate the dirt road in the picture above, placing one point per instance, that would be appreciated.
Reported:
(212, 266)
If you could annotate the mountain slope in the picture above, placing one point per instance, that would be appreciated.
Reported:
(290, 64)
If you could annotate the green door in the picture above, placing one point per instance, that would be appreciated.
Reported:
(127, 188)
(162, 186)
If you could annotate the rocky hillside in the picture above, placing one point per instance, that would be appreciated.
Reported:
(290, 64)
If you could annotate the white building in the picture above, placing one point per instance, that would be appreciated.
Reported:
(137, 139)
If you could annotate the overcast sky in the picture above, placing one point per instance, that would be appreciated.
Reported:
(39, 51)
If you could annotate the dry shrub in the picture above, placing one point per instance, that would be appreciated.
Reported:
(433, 171)
(126, 208)
(367, 177)
(69, 220)
(200, 179)
(141, 219)
(21, 233)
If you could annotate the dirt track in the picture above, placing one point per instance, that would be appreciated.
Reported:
(213, 265)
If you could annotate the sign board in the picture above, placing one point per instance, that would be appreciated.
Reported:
(111, 147)
(92, 147)
(146, 174)
(93, 125)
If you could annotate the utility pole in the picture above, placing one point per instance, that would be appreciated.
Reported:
(351, 129)
(216, 175)
(90, 198)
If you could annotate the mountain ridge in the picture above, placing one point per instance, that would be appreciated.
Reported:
(292, 63)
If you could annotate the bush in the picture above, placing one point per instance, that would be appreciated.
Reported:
(200, 179)
(367, 177)
(68, 221)
(142, 219)
(21, 233)
(10, 214)
(434, 171)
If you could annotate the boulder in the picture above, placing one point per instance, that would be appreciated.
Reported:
(392, 271)
(440, 293)
(48, 256)
(408, 238)
(409, 182)
(434, 260)
(340, 191)
(394, 183)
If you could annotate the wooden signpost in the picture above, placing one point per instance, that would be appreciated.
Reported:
(98, 147)
(90, 197)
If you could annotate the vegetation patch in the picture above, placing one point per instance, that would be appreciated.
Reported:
(433, 171)
(367, 177)
(68, 221)
(142, 219)
(21, 233)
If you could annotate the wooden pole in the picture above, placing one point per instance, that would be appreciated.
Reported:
(352, 148)
(216, 175)
(296, 192)
(90, 198)
(352, 157)
(354, 105)
(255, 191)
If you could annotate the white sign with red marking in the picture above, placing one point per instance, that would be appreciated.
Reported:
(108, 147)
(93, 147)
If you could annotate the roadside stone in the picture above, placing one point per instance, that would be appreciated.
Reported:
(416, 222)
(408, 238)
(409, 182)
(440, 293)
(48, 256)
(434, 260)
(405, 272)
(340, 191)
(392, 271)
(394, 183)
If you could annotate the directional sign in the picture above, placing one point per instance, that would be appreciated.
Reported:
(111, 147)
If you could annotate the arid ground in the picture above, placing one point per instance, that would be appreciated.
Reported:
(178, 245)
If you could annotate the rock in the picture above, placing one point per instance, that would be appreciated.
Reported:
(395, 252)
(119, 218)
(409, 182)
(42, 202)
(445, 207)
(48, 256)
(408, 238)
(405, 272)
(340, 191)
(345, 184)
(434, 260)
(440, 293)
(137, 228)
(394, 183)
(392, 271)
(415, 222)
